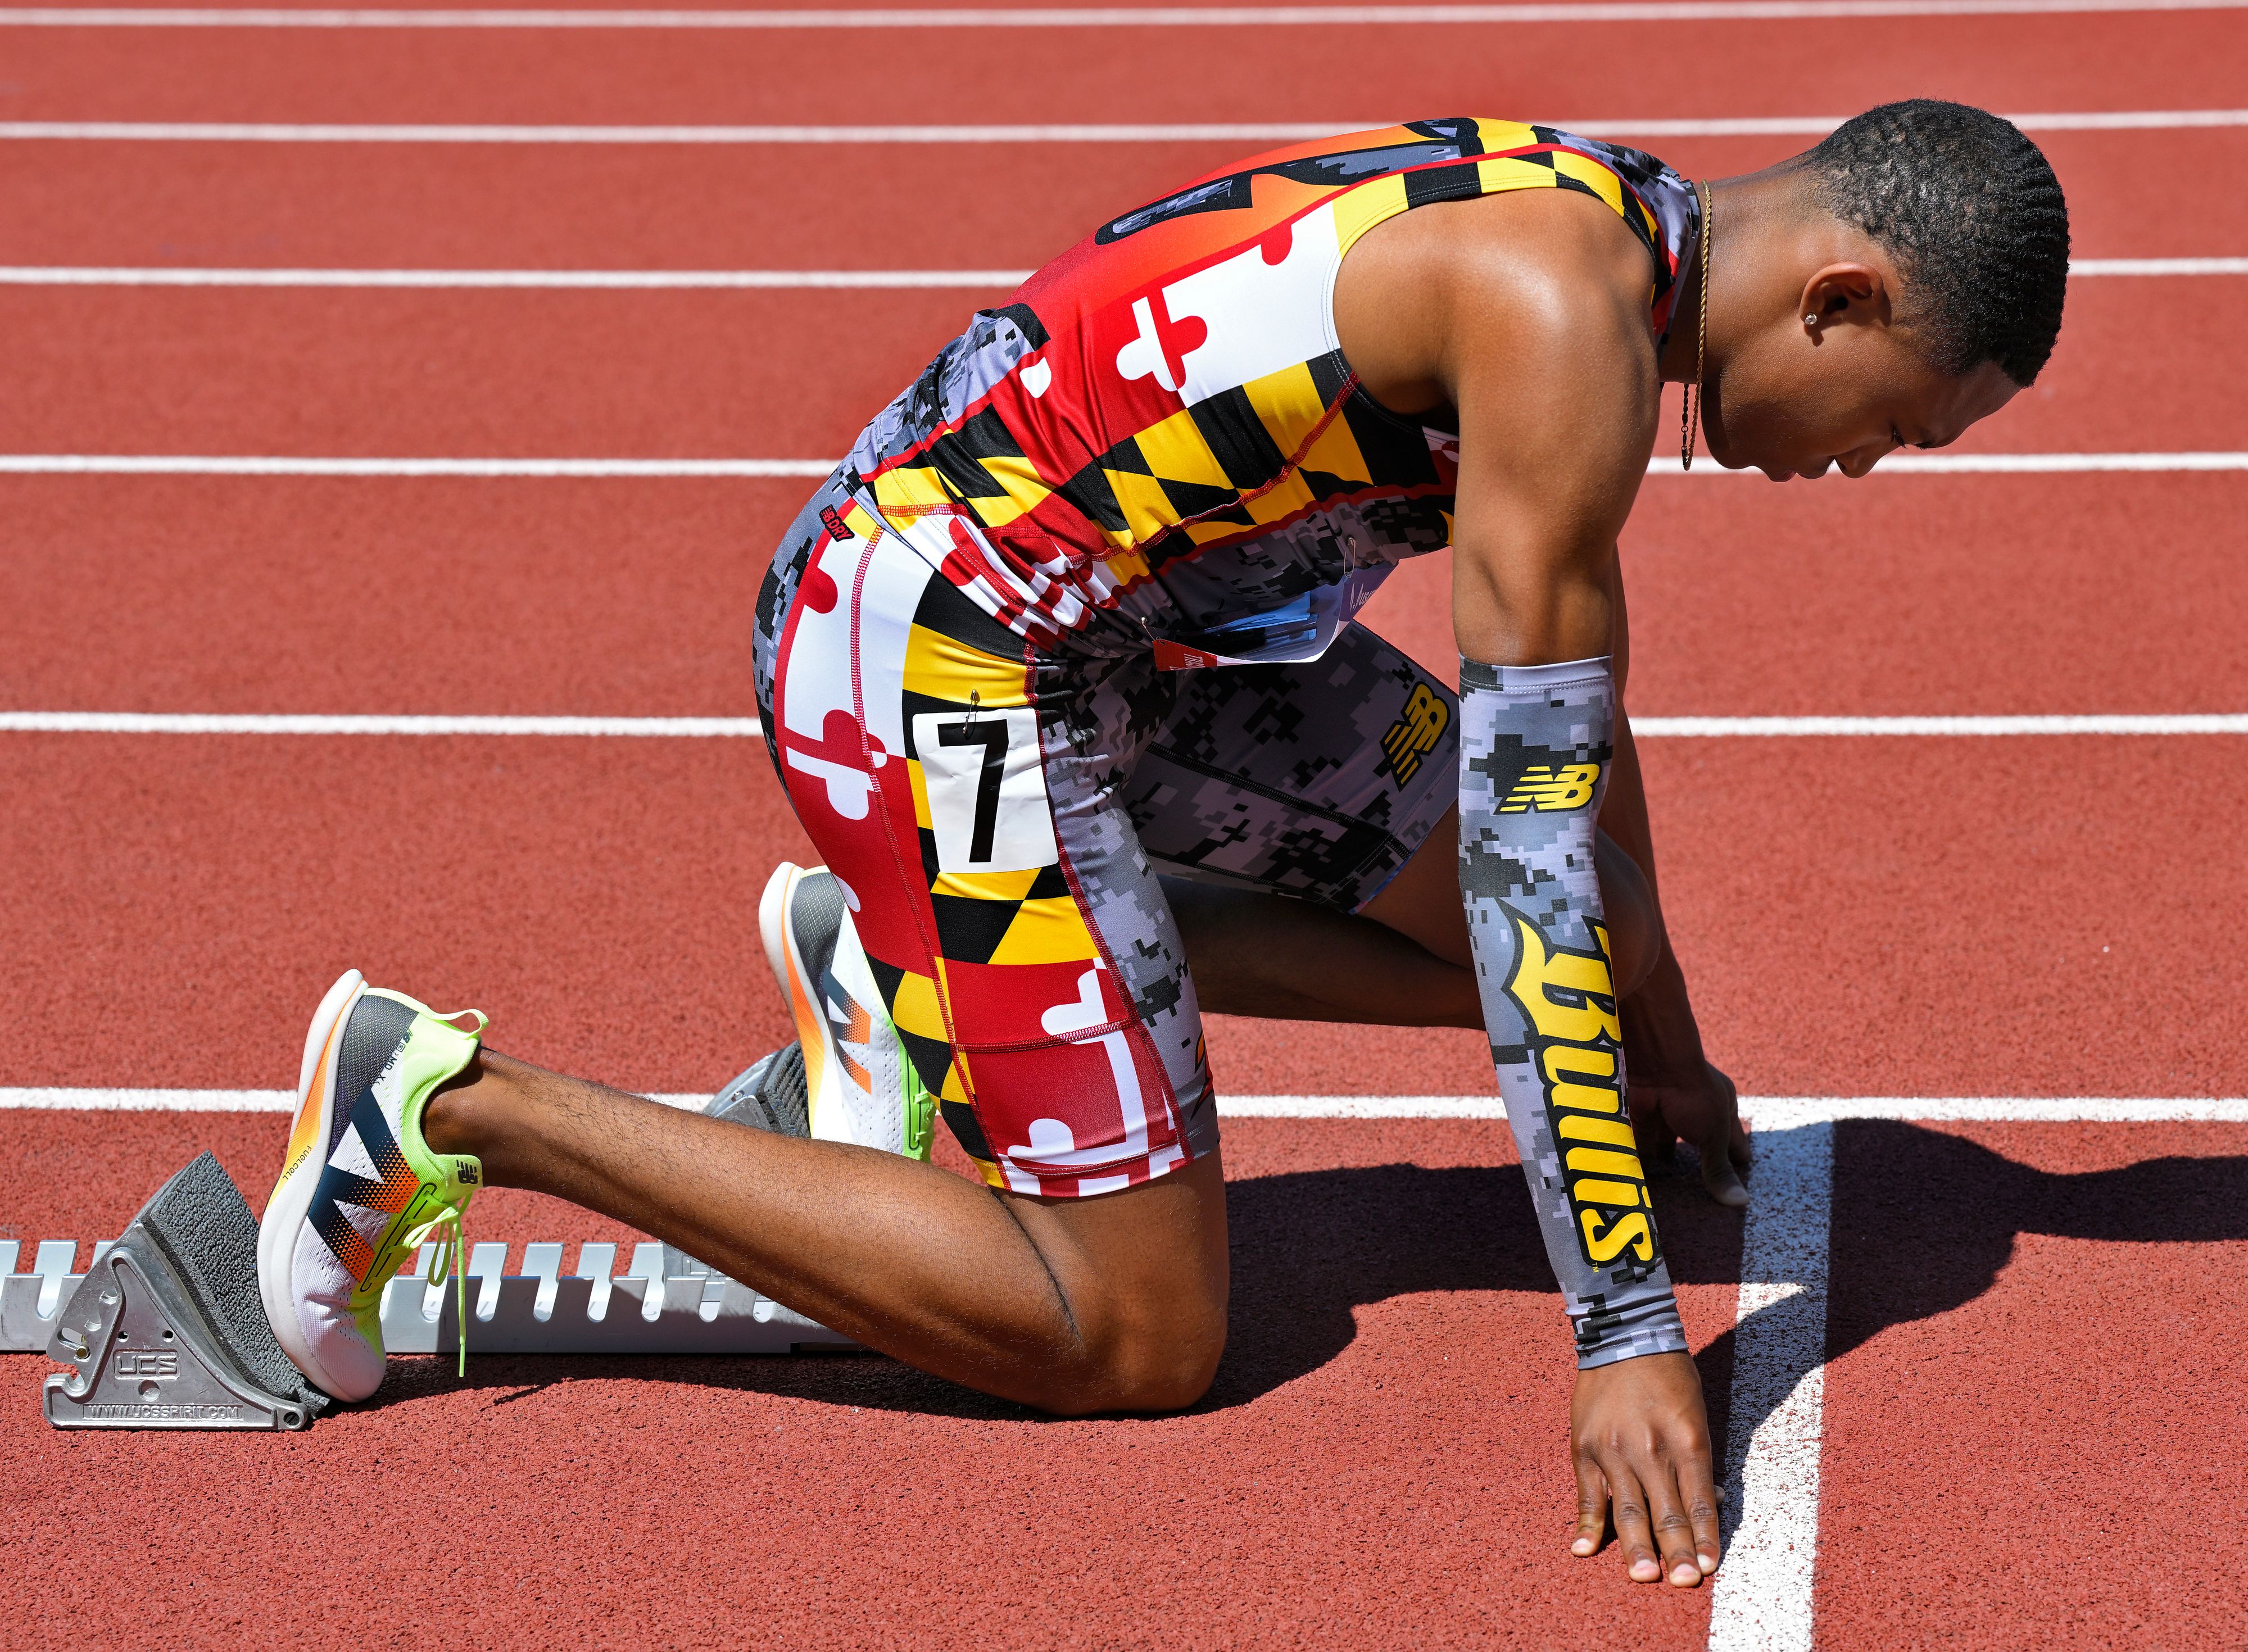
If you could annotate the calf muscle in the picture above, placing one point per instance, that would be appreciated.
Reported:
(1115, 1303)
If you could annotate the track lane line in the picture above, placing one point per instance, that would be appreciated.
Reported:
(1762, 1600)
(1071, 16)
(573, 280)
(169, 464)
(129, 464)
(724, 280)
(271, 132)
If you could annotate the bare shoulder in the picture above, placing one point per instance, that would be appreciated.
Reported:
(1545, 281)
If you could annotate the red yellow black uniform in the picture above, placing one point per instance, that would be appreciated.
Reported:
(970, 651)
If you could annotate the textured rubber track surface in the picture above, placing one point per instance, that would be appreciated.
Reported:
(2128, 61)
(2031, 1413)
(1377, 1460)
(479, 206)
(694, 374)
(2066, 1338)
(635, 599)
(599, 899)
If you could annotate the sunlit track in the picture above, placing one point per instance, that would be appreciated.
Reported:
(1155, 17)
(165, 464)
(1605, 126)
(731, 280)
(169, 464)
(748, 728)
(566, 280)
(2032, 637)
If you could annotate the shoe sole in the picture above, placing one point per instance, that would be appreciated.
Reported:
(799, 984)
(292, 1197)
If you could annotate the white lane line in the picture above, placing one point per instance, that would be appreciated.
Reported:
(132, 465)
(1762, 1600)
(1960, 464)
(573, 280)
(1291, 16)
(725, 280)
(1197, 131)
(170, 464)
(1793, 728)
(747, 729)
(223, 722)
(2157, 266)
(1766, 1113)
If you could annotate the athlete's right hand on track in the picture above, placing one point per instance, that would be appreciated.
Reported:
(1639, 1438)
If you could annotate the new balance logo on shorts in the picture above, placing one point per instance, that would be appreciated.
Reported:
(1551, 792)
(1415, 732)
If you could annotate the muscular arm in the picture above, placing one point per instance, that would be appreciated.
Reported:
(1554, 376)
(1531, 321)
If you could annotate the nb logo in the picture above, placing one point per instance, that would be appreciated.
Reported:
(1415, 732)
(1551, 792)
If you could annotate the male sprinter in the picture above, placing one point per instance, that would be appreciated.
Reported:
(1060, 672)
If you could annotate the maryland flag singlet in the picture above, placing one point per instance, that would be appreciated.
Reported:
(1159, 445)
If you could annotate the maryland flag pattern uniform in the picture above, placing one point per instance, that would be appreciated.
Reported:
(1076, 613)
(1160, 440)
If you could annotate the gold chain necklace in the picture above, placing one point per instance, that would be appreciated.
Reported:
(1689, 409)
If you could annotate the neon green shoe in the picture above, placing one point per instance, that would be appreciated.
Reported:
(359, 1188)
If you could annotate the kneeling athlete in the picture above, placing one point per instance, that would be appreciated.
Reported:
(1060, 673)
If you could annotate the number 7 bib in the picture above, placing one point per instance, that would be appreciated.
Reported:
(986, 790)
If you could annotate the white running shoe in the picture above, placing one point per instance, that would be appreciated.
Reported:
(861, 1081)
(359, 1188)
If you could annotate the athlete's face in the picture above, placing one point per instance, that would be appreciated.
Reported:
(1838, 385)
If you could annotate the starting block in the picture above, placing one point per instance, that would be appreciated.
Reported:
(167, 1330)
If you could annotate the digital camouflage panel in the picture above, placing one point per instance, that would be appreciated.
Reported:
(1535, 744)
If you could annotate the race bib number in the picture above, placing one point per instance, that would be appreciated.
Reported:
(987, 791)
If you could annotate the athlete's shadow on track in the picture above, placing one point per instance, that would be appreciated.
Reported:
(1922, 1221)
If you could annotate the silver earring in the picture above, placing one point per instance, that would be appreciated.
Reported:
(1811, 321)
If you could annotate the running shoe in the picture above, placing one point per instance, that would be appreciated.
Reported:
(359, 1188)
(860, 1082)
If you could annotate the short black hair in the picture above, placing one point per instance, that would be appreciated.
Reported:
(1975, 216)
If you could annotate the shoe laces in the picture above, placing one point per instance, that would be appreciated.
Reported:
(448, 1262)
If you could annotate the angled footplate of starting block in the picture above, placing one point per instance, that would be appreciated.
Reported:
(166, 1331)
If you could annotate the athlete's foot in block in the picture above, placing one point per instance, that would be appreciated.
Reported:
(359, 1188)
(861, 1084)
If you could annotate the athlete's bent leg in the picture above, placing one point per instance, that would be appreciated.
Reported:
(1074, 1306)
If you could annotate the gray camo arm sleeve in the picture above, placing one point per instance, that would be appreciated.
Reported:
(1535, 743)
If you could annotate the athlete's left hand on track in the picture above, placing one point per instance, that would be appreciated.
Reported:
(1702, 1108)
(1640, 1439)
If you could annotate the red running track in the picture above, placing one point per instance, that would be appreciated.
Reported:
(779, 375)
(2031, 1326)
(2142, 60)
(1380, 1463)
(608, 206)
(194, 894)
(1894, 596)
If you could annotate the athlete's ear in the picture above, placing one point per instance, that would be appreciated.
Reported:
(1844, 292)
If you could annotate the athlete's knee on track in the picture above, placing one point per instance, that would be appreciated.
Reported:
(1147, 1357)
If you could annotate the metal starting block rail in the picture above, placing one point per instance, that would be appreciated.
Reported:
(541, 1310)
